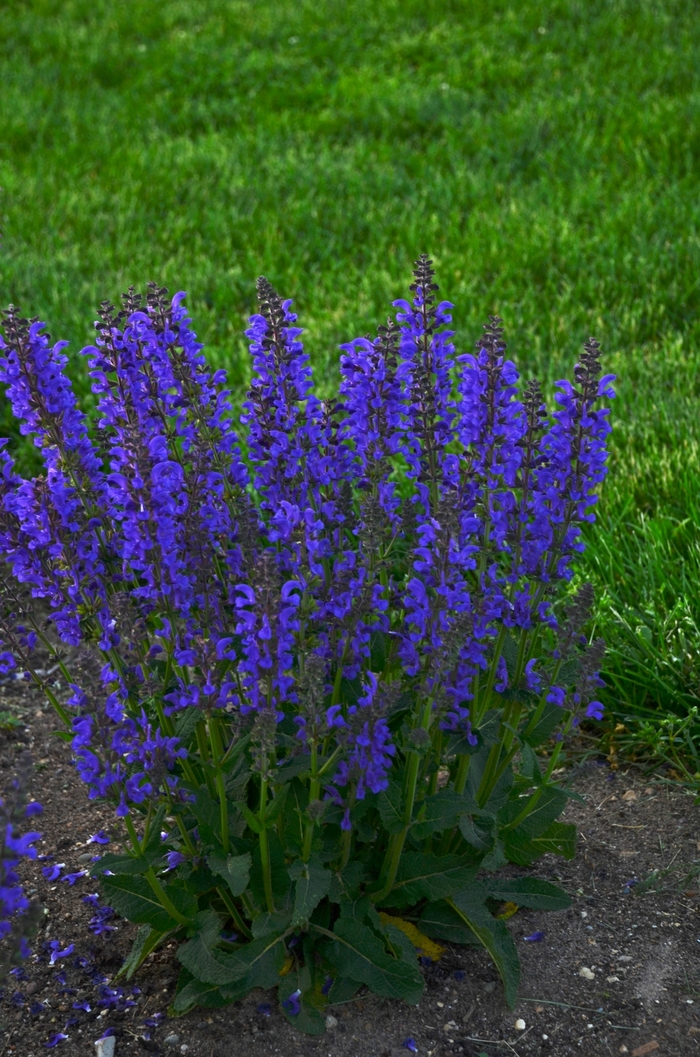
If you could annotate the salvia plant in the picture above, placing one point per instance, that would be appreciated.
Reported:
(309, 664)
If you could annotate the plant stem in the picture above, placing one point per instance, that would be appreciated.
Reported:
(216, 751)
(153, 881)
(393, 852)
(265, 848)
(314, 790)
(233, 911)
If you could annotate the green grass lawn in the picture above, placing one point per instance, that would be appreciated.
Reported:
(545, 154)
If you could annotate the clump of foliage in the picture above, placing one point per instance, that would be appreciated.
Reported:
(309, 666)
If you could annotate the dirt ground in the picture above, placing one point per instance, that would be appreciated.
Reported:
(634, 928)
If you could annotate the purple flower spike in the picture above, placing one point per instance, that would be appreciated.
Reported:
(536, 937)
(265, 1009)
(98, 838)
(327, 984)
(84, 1005)
(174, 859)
(54, 1040)
(293, 1003)
(410, 1044)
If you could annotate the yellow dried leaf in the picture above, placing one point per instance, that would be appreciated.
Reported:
(425, 947)
(507, 911)
(288, 963)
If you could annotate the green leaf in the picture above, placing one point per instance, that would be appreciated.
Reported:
(122, 865)
(342, 990)
(470, 904)
(478, 832)
(252, 819)
(440, 812)
(235, 870)
(133, 898)
(358, 952)
(257, 963)
(559, 839)
(207, 811)
(275, 806)
(549, 720)
(440, 921)
(195, 993)
(186, 723)
(459, 745)
(529, 892)
(64, 735)
(390, 804)
(422, 876)
(348, 883)
(147, 939)
(496, 858)
(312, 884)
(548, 806)
(270, 924)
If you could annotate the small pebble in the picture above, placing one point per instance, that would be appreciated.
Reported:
(171, 1040)
(520, 1025)
(105, 1047)
(586, 973)
(490, 987)
(85, 857)
(331, 1022)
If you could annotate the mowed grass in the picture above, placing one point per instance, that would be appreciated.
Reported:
(545, 155)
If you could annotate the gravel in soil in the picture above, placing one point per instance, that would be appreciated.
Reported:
(618, 972)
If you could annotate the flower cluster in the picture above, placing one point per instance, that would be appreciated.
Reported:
(288, 641)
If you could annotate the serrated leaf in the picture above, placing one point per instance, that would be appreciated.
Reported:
(548, 806)
(470, 904)
(496, 858)
(235, 870)
(195, 993)
(257, 963)
(122, 865)
(477, 832)
(270, 924)
(390, 804)
(358, 952)
(549, 720)
(186, 722)
(312, 884)
(529, 892)
(440, 921)
(558, 839)
(423, 876)
(133, 898)
(346, 885)
(440, 812)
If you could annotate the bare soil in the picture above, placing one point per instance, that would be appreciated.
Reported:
(634, 926)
